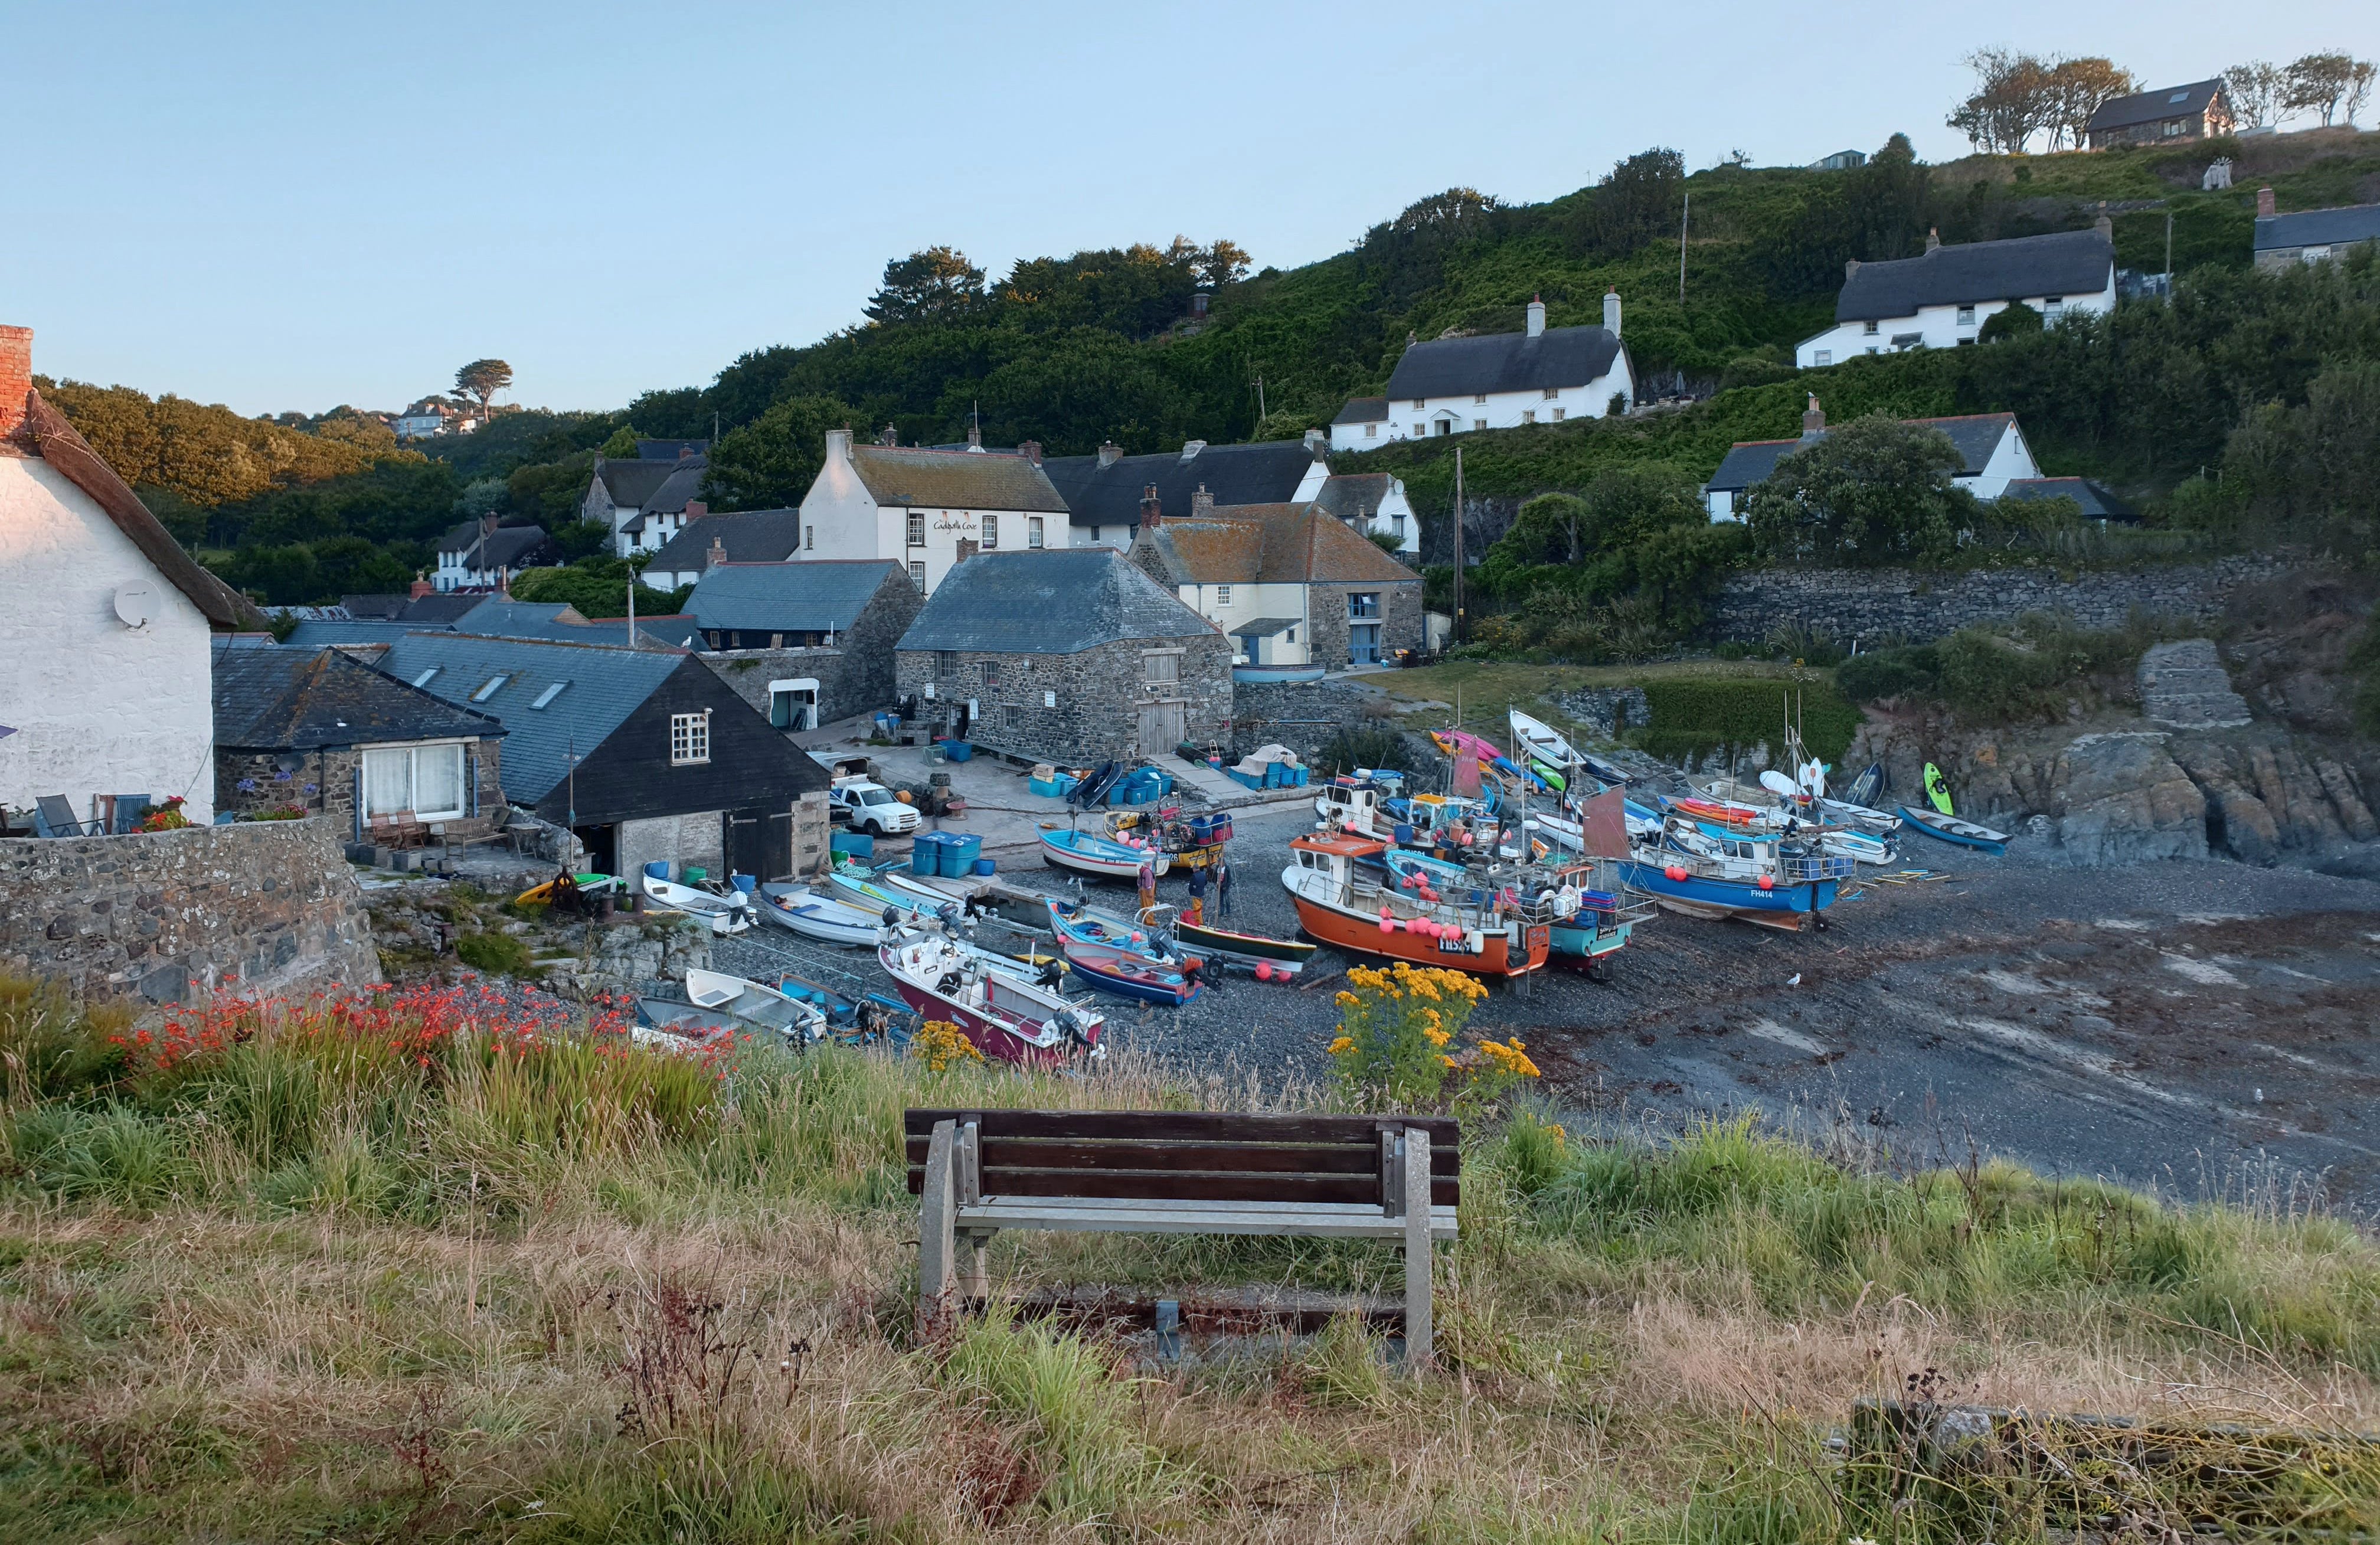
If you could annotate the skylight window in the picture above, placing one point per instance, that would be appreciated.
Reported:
(549, 694)
(2179, 96)
(485, 693)
(423, 679)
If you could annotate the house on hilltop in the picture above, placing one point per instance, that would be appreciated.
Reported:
(105, 623)
(1069, 655)
(2198, 111)
(645, 500)
(1539, 375)
(2310, 236)
(1992, 451)
(807, 643)
(1942, 300)
(927, 510)
(1296, 590)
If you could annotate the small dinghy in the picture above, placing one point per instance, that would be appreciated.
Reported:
(1129, 974)
(1075, 923)
(726, 914)
(1950, 829)
(754, 1007)
(1272, 959)
(1109, 860)
(1552, 757)
(806, 912)
(667, 1025)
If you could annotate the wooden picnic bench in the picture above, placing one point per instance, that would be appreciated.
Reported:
(977, 1172)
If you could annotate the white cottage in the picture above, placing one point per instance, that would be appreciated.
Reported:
(1942, 300)
(1501, 381)
(1992, 451)
(928, 509)
(105, 623)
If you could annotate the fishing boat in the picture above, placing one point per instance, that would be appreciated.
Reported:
(1087, 854)
(1590, 918)
(1127, 973)
(1950, 829)
(1498, 934)
(1270, 958)
(1270, 675)
(1414, 871)
(667, 1025)
(1704, 870)
(1075, 923)
(865, 888)
(1357, 804)
(1438, 820)
(756, 1007)
(728, 914)
(814, 916)
(1008, 1019)
(1555, 758)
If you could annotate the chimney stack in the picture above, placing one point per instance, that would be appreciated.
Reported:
(696, 509)
(838, 445)
(1202, 505)
(890, 438)
(2265, 210)
(420, 587)
(715, 555)
(1152, 513)
(16, 377)
(1536, 316)
(1612, 312)
(487, 525)
(1933, 239)
(1030, 450)
(975, 437)
(1814, 419)
(1110, 452)
(1317, 442)
(1850, 266)
(2105, 226)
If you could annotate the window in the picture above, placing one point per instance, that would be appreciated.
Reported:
(1868, 328)
(1872, 349)
(689, 739)
(1161, 669)
(485, 693)
(1479, 423)
(917, 529)
(918, 574)
(1032, 530)
(425, 780)
(1824, 357)
(1222, 595)
(1011, 715)
(1291, 636)
(549, 694)
(1966, 316)
(1479, 398)
(423, 679)
(1560, 413)
(1528, 414)
(990, 532)
(946, 662)
(1418, 430)
(809, 538)
(1371, 431)
(1553, 392)
(991, 675)
(1049, 699)
(2313, 254)
(1419, 405)
(2053, 306)
(1364, 604)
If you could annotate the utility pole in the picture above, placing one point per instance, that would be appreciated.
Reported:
(632, 606)
(1684, 221)
(2168, 251)
(1461, 634)
(1260, 402)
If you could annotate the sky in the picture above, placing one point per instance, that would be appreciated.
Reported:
(293, 206)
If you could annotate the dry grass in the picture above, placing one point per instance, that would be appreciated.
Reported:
(705, 1336)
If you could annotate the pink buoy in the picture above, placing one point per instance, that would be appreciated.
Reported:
(1388, 924)
(1674, 872)
(1768, 881)
(1264, 970)
(1135, 938)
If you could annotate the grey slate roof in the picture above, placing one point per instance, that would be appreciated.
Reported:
(682, 485)
(506, 547)
(1346, 495)
(281, 698)
(1109, 496)
(1503, 362)
(905, 475)
(2149, 107)
(1363, 411)
(1057, 601)
(438, 607)
(2098, 503)
(1751, 461)
(811, 595)
(500, 617)
(604, 685)
(630, 483)
(362, 630)
(2065, 262)
(752, 537)
(2319, 227)
(670, 450)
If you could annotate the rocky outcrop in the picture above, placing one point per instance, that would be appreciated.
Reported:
(2117, 799)
(2184, 686)
(626, 957)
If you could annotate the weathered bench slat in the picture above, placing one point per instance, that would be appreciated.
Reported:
(1191, 1185)
(1184, 1125)
(1324, 1222)
(1036, 1153)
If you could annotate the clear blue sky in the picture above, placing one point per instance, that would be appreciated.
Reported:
(290, 206)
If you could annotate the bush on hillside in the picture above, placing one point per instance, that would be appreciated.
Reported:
(1698, 715)
(2035, 669)
(1875, 491)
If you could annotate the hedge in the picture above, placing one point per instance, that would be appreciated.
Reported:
(1694, 716)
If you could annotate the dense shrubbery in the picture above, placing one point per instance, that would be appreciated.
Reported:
(2034, 669)
(1692, 716)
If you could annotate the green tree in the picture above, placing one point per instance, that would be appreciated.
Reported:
(2257, 92)
(1874, 490)
(937, 284)
(483, 379)
(622, 446)
(1638, 204)
(770, 462)
(2328, 85)
(2014, 320)
(482, 496)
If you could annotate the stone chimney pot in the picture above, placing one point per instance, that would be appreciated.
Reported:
(715, 555)
(1536, 316)
(1933, 239)
(1202, 503)
(1152, 511)
(1110, 453)
(2265, 208)
(16, 377)
(1030, 450)
(1814, 419)
(1612, 312)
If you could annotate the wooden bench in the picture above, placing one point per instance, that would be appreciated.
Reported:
(1176, 1172)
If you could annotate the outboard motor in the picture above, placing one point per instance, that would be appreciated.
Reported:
(1053, 973)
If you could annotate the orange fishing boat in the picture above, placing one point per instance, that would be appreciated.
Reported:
(1487, 932)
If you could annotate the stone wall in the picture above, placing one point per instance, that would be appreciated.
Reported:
(1306, 716)
(324, 783)
(855, 675)
(1326, 616)
(168, 915)
(1613, 710)
(697, 838)
(1874, 604)
(1099, 695)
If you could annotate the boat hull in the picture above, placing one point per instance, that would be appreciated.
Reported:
(1286, 956)
(1981, 839)
(1009, 1022)
(1252, 676)
(1576, 941)
(1121, 864)
(819, 917)
(1360, 934)
(1701, 896)
(1129, 976)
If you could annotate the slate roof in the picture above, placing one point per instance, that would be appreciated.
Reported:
(1109, 496)
(1751, 461)
(752, 537)
(360, 630)
(954, 479)
(438, 607)
(1503, 362)
(1271, 545)
(2065, 262)
(2318, 227)
(2149, 107)
(506, 547)
(672, 450)
(630, 483)
(1055, 600)
(603, 686)
(1363, 411)
(1348, 495)
(682, 485)
(813, 595)
(2098, 503)
(282, 698)
(500, 617)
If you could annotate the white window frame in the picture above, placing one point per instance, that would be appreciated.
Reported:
(689, 743)
(990, 542)
(1528, 414)
(915, 528)
(411, 754)
(1371, 431)
(1035, 532)
(1966, 316)
(1479, 423)
(917, 572)
(1560, 413)
(1479, 400)
(1868, 328)
(1222, 595)
(1822, 357)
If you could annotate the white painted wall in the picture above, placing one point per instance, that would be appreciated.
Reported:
(842, 520)
(1461, 415)
(1939, 326)
(98, 708)
(1248, 603)
(1395, 517)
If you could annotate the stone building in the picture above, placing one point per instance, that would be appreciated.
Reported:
(807, 643)
(1297, 590)
(1071, 655)
(319, 732)
(2283, 241)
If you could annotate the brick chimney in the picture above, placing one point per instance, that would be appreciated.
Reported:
(1933, 239)
(1536, 316)
(714, 555)
(1110, 452)
(2265, 210)
(1317, 442)
(1030, 450)
(1814, 419)
(1202, 505)
(1612, 312)
(696, 509)
(16, 377)
(419, 588)
(1152, 513)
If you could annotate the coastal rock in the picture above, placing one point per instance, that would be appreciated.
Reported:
(2184, 686)
(2236, 821)
(2124, 798)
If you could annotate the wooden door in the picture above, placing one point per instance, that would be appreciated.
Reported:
(1160, 728)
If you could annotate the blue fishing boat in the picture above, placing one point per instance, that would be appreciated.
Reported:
(1713, 871)
(1265, 675)
(1109, 860)
(877, 890)
(1129, 974)
(1075, 923)
(1950, 829)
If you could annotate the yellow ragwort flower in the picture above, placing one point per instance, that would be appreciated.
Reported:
(1345, 1043)
(1437, 1038)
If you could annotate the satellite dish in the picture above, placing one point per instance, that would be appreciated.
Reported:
(1777, 783)
(136, 606)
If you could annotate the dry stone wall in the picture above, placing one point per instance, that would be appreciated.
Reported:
(1913, 606)
(168, 916)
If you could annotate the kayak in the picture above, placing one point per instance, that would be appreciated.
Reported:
(1950, 829)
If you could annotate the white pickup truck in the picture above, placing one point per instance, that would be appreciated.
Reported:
(870, 807)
